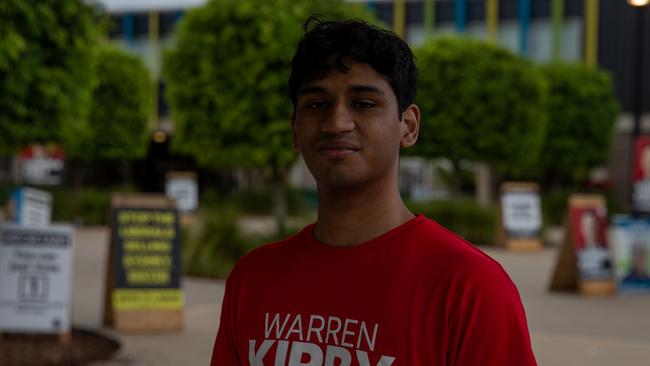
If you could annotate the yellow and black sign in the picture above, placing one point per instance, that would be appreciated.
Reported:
(147, 265)
(143, 291)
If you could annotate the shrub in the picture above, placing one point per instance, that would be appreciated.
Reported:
(474, 222)
(217, 243)
(582, 110)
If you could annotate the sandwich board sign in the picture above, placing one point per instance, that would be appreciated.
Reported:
(520, 221)
(585, 262)
(30, 207)
(631, 248)
(35, 276)
(143, 290)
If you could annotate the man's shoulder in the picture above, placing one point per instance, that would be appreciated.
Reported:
(452, 254)
(271, 252)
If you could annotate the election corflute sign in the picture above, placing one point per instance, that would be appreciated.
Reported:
(143, 289)
(520, 222)
(35, 275)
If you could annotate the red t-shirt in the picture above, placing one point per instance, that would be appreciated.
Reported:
(416, 295)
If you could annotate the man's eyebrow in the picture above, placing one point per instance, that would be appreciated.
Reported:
(365, 89)
(311, 90)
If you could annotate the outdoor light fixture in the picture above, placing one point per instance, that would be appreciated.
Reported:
(638, 2)
(159, 137)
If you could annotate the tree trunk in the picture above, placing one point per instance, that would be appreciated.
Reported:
(484, 182)
(127, 172)
(455, 179)
(280, 207)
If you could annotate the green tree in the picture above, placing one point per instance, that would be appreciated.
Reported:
(227, 83)
(479, 102)
(45, 70)
(582, 110)
(119, 107)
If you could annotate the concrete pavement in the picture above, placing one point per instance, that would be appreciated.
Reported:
(566, 329)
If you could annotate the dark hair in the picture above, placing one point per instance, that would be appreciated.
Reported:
(327, 43)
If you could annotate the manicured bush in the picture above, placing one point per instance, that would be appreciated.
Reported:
(479, 102)
(227, 83)
(582, 110)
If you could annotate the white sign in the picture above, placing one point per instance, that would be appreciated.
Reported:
(521, 213)
(35, 274)
(31, 207)
(185, 191)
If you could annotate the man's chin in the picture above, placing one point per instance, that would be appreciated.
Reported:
(342, 183)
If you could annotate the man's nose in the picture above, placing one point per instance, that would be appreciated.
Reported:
(339, 120)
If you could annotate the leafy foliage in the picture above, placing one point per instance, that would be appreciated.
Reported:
(582, 110)
(46, 69)
(476, 223)
(227, 79)
(211, 248)
(119, 107)
(479, 102)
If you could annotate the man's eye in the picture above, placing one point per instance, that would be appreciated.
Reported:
(363, 104)
(315, 105)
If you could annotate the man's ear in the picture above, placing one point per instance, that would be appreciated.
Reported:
(410, 126)
(296, 145)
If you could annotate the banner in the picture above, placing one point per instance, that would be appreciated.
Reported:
(631, 246)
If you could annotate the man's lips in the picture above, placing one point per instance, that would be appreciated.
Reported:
(337, 149)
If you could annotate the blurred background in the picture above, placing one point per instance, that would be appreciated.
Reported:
(116, 96)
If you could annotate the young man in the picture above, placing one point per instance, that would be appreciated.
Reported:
(369, 283)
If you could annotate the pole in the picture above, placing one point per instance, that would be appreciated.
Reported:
(492, 19)
(591, 32)
(557, 11)
(637, 108)
(461, 15)
(524, 22)
(399, 14)
(429, 17)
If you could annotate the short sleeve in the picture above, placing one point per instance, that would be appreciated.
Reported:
(489, 327)
(225, 345)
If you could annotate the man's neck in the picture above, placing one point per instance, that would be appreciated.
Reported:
(358, 216)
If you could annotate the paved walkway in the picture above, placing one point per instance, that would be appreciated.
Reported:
(566, 329)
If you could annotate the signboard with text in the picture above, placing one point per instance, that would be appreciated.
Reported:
(584, 262)
(41, 165)
(30, 207)
(144, 289)
(631, 248)
(35, 275)
(521, 216)
(147, 269)
(182, 187)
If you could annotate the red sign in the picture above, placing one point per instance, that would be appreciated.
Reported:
(642, 159)
(41, 164)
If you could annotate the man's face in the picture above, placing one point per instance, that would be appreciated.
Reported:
(589, 227)
(645, 162)
(346, 127)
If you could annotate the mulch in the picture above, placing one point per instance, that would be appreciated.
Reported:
(85, 346)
